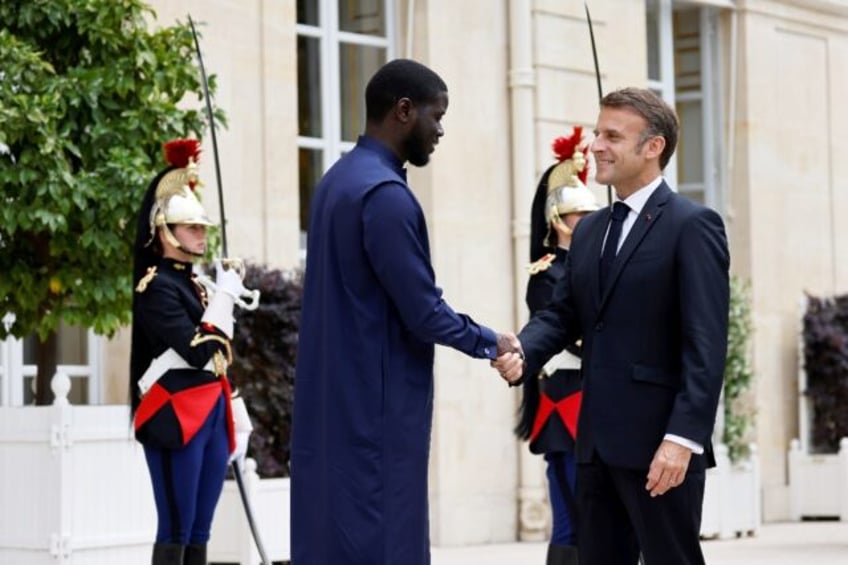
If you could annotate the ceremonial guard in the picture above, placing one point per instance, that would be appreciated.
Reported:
(184, 411)
(551, 402)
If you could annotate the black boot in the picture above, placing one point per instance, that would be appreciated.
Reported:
(195, 554)
(167, 554)
(562, 555)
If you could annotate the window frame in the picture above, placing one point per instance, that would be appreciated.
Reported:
(330, 38)
(709, 95)
(14, 372)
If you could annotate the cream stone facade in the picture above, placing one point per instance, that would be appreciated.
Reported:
(520, 73)
(788, 193)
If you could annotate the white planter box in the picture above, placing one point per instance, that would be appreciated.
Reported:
(231, 540)
(74, 488)
(731, 497)
(818, 483)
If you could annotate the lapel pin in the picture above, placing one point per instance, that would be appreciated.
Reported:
(648, 217)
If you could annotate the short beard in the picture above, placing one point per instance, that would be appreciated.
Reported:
(419, 159)
(416, 153)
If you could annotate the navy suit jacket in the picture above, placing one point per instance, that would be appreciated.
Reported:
(654, 340)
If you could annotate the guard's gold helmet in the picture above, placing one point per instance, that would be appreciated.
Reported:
(175, 200)
(567, 192)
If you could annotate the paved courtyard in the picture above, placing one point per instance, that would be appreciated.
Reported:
(815, 543)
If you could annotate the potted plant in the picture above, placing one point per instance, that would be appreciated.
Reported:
(826, 367)
(264, 351)
(738, 413)
(818, 460)
(732, 490)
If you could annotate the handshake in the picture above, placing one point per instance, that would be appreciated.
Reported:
(510, 361)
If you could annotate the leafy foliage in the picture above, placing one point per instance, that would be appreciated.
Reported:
(87, 96)
(826, 365)
(737, 372)
(264, 352)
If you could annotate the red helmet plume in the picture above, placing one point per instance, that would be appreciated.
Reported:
(178, 152)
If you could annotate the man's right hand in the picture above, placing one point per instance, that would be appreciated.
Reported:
(510, 361)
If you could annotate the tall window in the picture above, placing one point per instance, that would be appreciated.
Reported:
(340, 44)
(683, 67)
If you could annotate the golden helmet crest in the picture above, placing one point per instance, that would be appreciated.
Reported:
(567, 192)
(175, 200)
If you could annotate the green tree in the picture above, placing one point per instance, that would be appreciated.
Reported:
(88, 93)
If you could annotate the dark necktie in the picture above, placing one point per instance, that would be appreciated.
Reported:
(619, 213)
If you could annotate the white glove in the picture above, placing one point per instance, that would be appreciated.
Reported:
(228, 280)
(242, 441)
(242, 426)
(241, 419)
(219, 312)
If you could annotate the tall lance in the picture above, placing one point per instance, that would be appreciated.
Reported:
(597, 77)
(245, 500)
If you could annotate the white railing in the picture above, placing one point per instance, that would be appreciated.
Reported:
(74, 490)
(74, 486)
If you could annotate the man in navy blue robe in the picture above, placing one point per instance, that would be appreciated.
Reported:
(363, 399)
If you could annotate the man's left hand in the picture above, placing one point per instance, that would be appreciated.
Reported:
(668, 468)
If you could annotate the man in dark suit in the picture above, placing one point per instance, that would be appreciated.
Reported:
(646, 289)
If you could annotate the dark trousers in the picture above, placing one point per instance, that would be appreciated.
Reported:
(562, 466)
(187, 482)
(618, 518)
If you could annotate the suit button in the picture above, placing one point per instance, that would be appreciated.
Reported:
(599, 326)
